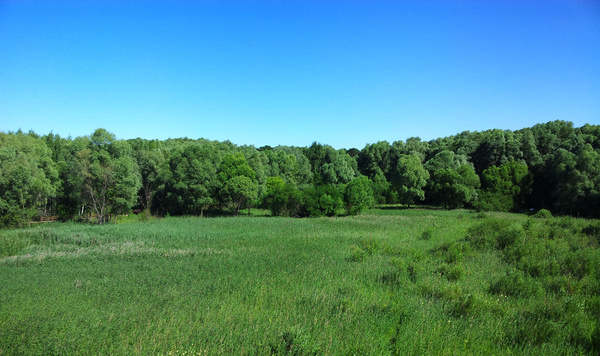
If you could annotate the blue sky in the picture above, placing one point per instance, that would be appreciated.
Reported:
(344, 73)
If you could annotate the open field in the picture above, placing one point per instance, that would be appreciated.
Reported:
(387, 282)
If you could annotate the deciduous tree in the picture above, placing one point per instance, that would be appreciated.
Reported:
(28, 177)
(110, 176)
(410, 179)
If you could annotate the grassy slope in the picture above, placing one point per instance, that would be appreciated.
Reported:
(391, 281)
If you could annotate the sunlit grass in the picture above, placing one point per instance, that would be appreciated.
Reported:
(392, 281)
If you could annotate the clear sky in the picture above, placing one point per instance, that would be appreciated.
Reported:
(344, 73)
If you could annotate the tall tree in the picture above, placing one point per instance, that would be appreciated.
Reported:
(410, 179)
(374, 158)
(238, 181)
(496, 148)
(445, 159)
(414, 146)
(238, 190)
(358, 195)
(149, 163)
(110, 176)
(188, 180)
(290, 164)
(331, 166)
(575, 181)
(28, 177)
(454, 188)
(505, 187)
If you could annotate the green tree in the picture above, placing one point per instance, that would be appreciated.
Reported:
(290, 164)
(238, 181)
(575, 181)
(258, 161)
(591, 135)
(414, 146)
(358, 195)
(553, 135)
(28, 178)
(382, 190)
(233, 165)
(71, 199)
(275, 198)
(238, 190)
(445, 159)
(188, 182)
(410, 179)
(331, 166)
(375, 159)
(282, 198)
(531, 155)
(149, 163)
(454, 188)
(505, 187)
(465, 143)
(322, 200)
(110, 176)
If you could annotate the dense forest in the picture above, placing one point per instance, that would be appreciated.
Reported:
(552, 166)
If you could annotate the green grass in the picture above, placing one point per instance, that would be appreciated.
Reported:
(392, 281)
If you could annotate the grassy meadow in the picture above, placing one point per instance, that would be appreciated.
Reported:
(390, 281)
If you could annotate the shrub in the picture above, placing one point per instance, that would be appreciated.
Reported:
(543, 214)
(527, 225)
(323, 200)
(358, 195)
(548, 320)
(282, 198)
(494, 201)
(493, 233)
(593, 230)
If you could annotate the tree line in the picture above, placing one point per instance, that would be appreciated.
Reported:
(554, 166)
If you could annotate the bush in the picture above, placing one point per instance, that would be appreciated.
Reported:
(494, 201)
(543, 214)
(323, 200)
(282, 198)
(358, 195)
(493, 233)
(451, 252)
(593, 230)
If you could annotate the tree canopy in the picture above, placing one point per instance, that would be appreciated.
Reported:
(551, 166)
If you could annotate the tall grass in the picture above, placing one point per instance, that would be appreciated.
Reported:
(387, 282)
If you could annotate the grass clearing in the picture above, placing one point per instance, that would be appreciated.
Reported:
(391, 281)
